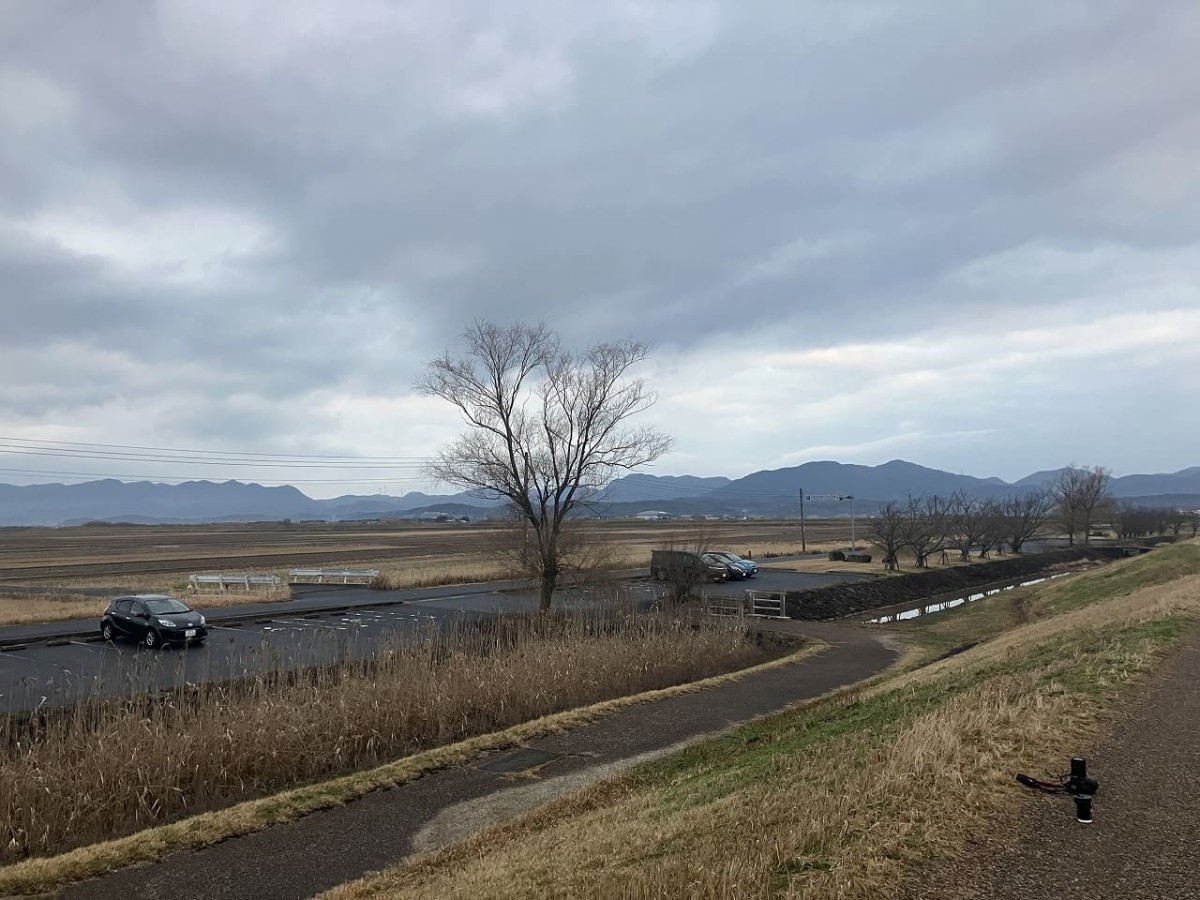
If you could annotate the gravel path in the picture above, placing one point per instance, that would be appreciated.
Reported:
(1145, 840)
(331, 847)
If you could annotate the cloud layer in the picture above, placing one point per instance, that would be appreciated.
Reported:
(965, 234)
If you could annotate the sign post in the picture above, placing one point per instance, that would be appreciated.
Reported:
(803, 542)
(829, 498)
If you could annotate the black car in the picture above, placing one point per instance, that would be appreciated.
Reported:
(153, 619)
(733, 572)
(748, 566)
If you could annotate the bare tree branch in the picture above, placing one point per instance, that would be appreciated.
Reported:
(547, 429)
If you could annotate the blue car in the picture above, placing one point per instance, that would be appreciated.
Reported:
(748, 567)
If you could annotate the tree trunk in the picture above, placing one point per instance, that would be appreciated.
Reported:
(549, 574)
(549, 580)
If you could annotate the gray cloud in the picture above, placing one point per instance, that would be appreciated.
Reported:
(290, 209)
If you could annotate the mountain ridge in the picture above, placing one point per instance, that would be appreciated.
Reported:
(770, 492)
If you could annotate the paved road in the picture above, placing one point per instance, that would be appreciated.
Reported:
(328, 848)
(287, 635)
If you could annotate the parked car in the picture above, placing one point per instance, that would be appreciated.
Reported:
(733, 571)
(153, 619)
(672, 565)
(748, 566)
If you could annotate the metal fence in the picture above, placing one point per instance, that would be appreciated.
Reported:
(767, 605)
(216, 583)
(332, 576)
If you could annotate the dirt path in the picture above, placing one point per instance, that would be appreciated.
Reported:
(1145, 839)
(334, 846)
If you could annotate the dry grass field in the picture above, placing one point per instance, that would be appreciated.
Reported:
(108, 768)
(160, 557)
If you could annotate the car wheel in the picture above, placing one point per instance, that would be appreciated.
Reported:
(106, 631)
(151, 639)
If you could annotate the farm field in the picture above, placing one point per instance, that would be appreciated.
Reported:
(160, 557)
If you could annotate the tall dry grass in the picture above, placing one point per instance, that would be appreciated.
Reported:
(108, 768)
(23, 609)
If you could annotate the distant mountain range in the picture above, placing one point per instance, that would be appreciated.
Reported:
(767, 493)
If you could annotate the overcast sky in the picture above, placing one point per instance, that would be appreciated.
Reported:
(963, 233)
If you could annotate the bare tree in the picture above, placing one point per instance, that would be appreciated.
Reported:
(974, 523)
(547, 429)
(1080, 492)
(995, 529)
(1176, 520)
(928, 524)
(1131, 520)
(1025, 515)
(681, 562)
(885, 530)
(583, 553)
(1068, 490)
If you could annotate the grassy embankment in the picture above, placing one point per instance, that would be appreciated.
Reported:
(850, 796)
(109, 768)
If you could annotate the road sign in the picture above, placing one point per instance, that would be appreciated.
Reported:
(827, 497)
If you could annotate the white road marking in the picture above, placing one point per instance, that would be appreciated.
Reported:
(305, 623)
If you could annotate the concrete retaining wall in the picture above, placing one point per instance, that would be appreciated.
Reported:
(839, 600)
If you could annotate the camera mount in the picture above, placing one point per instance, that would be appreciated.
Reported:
(1077, 785)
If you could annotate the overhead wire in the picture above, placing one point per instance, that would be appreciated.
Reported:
(369, 465)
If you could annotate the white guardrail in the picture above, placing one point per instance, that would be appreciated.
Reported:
(224, 582)
(332, 576)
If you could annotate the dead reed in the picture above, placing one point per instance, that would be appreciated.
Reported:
(107, 768)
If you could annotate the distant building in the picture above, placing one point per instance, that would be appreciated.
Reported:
(653, 515)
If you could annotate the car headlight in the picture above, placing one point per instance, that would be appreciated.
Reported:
(202, 621)
(166, 623)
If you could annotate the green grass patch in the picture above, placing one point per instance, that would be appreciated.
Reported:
(1124, 577)
(938, 634)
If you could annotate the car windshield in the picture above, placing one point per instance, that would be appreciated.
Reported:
(160, 605)
(732, 557)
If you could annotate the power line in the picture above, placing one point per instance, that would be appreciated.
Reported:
(176, 478)
(51, 444)
(266, 463)
(174, 456)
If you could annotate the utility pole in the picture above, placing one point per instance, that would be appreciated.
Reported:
(803, 542)
(853, 546)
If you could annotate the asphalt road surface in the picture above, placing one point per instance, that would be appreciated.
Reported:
(292, 635)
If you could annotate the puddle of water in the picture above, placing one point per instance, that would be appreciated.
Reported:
(951, 604)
